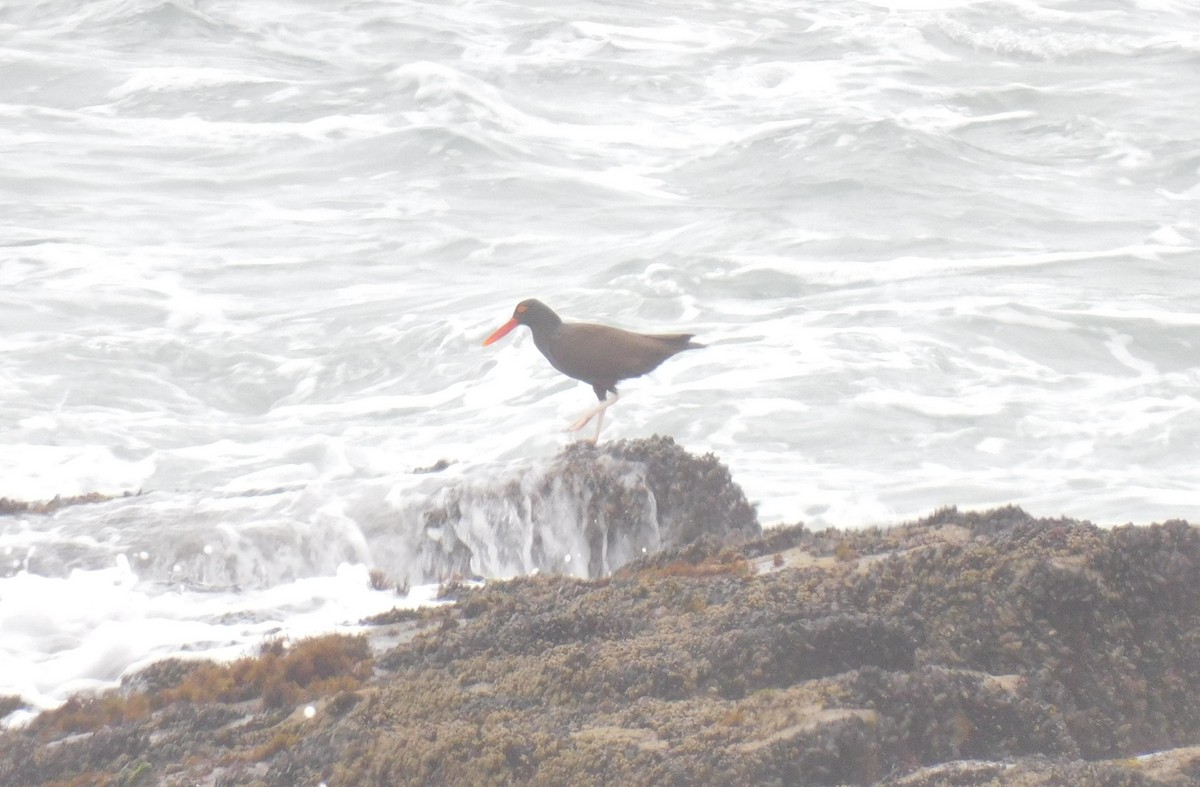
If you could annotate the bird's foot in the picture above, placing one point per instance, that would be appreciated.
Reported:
(596, 412)
(580, 422)
(577, 425)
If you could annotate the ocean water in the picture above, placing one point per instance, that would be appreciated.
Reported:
(942, 253)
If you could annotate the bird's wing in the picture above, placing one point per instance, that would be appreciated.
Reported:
(603, 354)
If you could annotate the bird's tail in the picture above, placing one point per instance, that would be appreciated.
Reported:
(682, 341)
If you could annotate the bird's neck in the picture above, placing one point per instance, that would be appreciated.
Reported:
(544, 333)
(545, 326)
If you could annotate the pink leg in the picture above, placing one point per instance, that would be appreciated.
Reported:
(596, 412)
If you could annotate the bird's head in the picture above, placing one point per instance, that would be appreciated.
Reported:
(532, 312)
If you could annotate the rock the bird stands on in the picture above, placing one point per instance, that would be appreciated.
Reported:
(596, 354)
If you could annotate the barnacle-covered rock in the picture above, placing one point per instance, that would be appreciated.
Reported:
(586, 513)
(963, 649)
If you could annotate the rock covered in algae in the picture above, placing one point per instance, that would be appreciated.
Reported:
(586, 513)
(965, 649)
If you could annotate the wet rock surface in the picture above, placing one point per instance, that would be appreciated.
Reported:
(589, 511)
(964, 649)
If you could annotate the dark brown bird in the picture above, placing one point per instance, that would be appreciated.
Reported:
(596, 354)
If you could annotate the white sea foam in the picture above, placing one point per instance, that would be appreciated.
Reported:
(86, 630)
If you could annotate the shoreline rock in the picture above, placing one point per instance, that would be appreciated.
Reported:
(11, 507)
(967, 648)
(586, 512)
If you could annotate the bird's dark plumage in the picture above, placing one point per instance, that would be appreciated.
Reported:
(596, 354)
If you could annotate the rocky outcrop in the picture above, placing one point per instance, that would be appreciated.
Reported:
(964, 649)
(586, 513)
(10, 507)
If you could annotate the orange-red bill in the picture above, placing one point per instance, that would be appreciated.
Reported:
(501, 332)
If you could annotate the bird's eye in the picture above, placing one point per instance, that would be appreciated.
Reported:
(522, 309)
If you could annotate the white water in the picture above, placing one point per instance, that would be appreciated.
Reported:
(941, 252)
